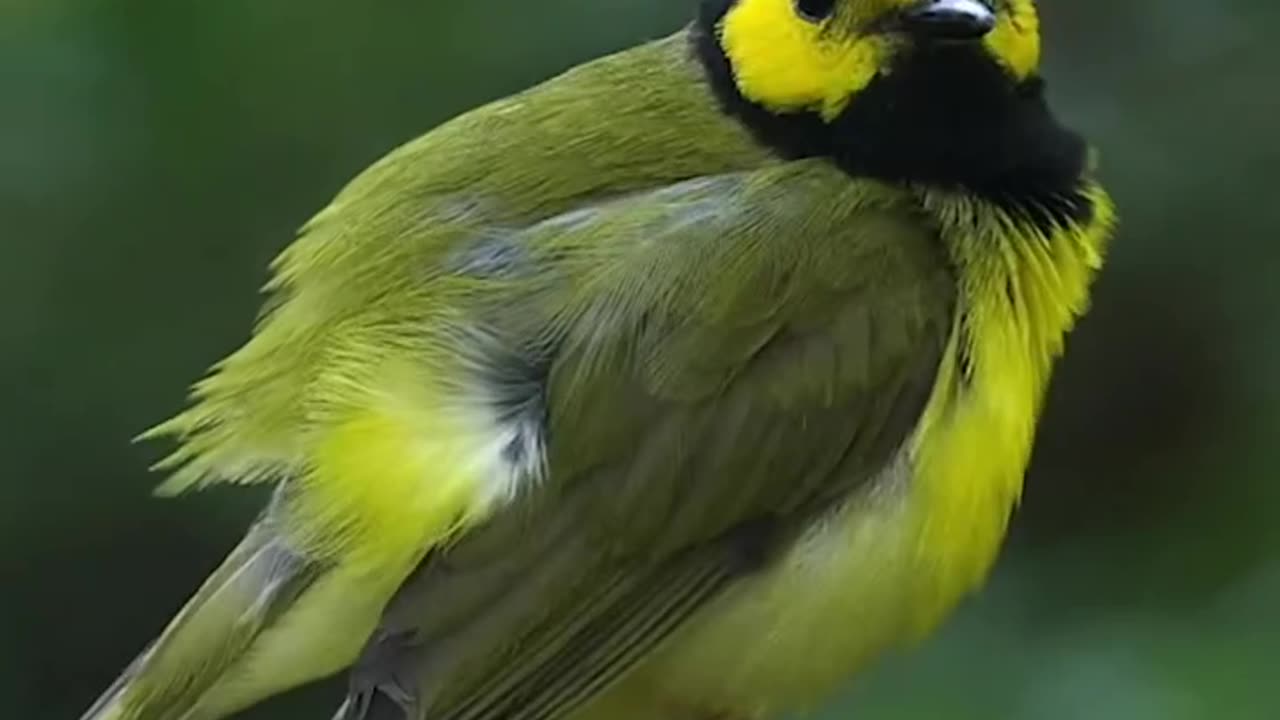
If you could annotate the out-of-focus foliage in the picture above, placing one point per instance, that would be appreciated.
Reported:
(154, 155)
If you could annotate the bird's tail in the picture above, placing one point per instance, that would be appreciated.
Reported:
(260, 580)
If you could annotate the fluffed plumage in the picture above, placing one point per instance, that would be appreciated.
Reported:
(640, 394)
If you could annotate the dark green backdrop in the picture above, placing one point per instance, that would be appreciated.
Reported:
(154, 154)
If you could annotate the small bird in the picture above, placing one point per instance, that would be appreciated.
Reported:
(678, 387)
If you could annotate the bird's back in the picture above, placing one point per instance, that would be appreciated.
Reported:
(378, 258)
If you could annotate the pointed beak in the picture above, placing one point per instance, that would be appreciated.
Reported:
(950, 19)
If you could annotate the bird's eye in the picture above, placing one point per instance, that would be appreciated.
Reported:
(815, 10)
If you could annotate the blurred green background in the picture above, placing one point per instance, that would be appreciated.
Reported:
(155, 154)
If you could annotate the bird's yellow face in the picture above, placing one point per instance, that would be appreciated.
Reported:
(816, 55)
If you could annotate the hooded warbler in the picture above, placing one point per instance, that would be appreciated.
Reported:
(677, 387)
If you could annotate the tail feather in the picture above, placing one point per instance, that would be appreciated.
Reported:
(109, 705)
(261, 579)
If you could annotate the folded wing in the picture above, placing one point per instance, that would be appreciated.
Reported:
(712, 366)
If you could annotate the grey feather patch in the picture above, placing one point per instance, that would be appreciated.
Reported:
(492, 254)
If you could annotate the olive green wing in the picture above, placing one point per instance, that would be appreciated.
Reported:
(710, 366)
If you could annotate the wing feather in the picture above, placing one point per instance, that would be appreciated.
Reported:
(731, 353)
